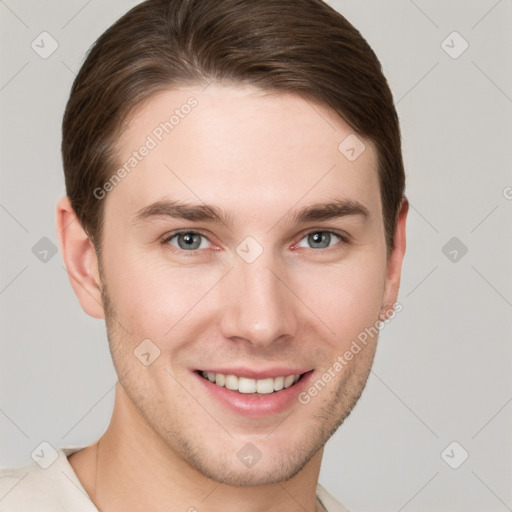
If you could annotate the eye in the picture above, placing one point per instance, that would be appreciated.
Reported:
(191, 241)
(321, 239)
(187, 240)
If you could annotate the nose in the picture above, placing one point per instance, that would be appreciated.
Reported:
(259, 307)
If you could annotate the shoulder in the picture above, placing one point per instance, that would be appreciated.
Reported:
(46, 485)
(330, 503)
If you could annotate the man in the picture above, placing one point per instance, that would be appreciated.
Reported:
(235, 211)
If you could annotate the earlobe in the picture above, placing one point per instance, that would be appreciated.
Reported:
(80, 259)
(394, 264)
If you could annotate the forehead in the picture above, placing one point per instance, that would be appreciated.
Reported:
(244, 149)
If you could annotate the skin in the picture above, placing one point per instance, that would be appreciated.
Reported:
(259, 157)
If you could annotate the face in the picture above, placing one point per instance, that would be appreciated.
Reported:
(246, 249)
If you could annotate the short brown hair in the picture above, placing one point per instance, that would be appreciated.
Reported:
(299, 46)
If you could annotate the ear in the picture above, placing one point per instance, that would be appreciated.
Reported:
(395, 258)
(80, 259)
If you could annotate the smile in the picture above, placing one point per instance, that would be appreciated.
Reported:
(247, 385)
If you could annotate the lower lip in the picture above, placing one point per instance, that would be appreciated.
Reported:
(255, 405)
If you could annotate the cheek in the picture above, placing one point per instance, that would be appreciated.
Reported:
(347, 298)
(146, 298)
(151, 298)
(155, 300)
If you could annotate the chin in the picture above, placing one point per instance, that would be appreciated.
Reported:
(266, 474)
(225, 465)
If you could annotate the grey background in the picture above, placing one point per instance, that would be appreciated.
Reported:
(443, 369)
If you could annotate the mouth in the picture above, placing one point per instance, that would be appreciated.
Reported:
(251, 386)
(254, 394)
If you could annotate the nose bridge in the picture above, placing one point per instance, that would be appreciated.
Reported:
(258, 305)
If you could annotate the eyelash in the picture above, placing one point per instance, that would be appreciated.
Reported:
(344, 239)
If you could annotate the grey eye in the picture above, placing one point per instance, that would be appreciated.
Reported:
(320, 239)
(187, 241)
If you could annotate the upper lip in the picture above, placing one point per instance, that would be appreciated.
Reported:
(257, 374)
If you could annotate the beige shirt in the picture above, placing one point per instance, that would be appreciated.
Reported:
(57, 488)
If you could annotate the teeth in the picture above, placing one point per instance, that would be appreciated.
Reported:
(231, 382)
(278, 383)
(265, 386)
(247, 386)
(288, 381)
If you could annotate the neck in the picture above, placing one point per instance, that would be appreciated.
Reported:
(130, 467)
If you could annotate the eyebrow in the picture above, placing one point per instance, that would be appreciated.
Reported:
(330, 210)
(210, 213)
